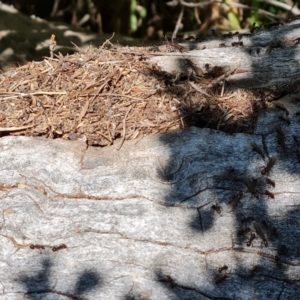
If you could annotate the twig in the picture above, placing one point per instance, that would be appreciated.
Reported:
(55, 8)
(124, 129)
(258, 10)
(223, 87)
(294, 10)
(52, 45)
(36, 93)
(178, 23)
(3, 129)
(84, 110)
(113, 95)
(78, 48)
(198, 89)
(187, 4)
(238, 5)
(108, 41)
(87, 103)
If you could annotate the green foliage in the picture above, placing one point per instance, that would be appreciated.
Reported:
(138, 14)
(255, 19)
(137, 17)
(233, 21)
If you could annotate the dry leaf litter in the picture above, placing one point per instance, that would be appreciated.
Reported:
(108, 94)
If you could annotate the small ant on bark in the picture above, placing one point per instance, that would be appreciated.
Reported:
(57, 248)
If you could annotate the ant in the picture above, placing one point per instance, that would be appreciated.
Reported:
(172, 46)
(269, 194)
(32, 246)
(252, 237)
(257, 149)
(224, 268)
(169, 280)
(243, 231)
(270, 182)
(217, 208)
(235, 200)
(250, 183)
(229, 35)
(57, 248)
(236, 44)
(260, 233)
(281, 138)
(266, 170)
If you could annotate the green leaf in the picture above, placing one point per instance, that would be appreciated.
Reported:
(233, 21)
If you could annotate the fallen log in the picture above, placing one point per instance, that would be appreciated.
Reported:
(196, 214)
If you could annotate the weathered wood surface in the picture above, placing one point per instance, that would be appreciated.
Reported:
(139, 224)
(267, 58)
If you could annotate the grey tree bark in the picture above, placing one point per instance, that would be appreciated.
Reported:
(196, 214)
(268, 58)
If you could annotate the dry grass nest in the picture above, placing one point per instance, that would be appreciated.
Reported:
(113, 94)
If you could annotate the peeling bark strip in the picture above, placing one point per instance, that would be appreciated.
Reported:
(268, 58)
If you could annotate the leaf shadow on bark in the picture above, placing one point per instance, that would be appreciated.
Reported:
(258, 270)
(39, 285)
(274, 267)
